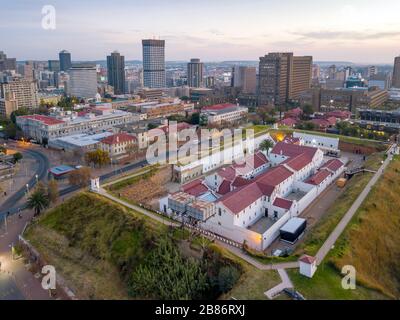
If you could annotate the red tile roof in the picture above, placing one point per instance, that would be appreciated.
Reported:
(43, 119)
(319, 177)
(195, 188)
(240, 182)
(227, 173)
(322, 123)
(331, 120)
(224, 188)
(118, 138)
(307, 259)
(298, 162)
(339, 114)
(297, 112)
(288, 122)
(283, 203)
(333, 164)
(292, 150)
(275, 176)
(216, 107)
(241, 198)
(263, 185)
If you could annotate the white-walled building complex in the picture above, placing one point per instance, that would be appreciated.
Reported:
(251, 201)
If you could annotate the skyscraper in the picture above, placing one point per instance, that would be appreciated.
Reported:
(396, 73)
(7, 63)
(154, 63)
(65, 60)
(82, 81)
(283, 77)
(54, 65)
(245, 78)
(24, 91)
(195, 73)
(116, 72)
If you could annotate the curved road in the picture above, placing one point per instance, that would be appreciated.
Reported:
(8, 205)
(41, 172)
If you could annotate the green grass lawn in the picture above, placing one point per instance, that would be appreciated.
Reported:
(326, 285)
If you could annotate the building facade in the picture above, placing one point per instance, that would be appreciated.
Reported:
(154, 63)
(25, 92)
(82, 81)
(8, 105)
(195, 73)
(245, 78)
(7, 63)
(41, 127)
(116, 72)
(283, 77)
(396, 73)
(221, 113)
(65, 60)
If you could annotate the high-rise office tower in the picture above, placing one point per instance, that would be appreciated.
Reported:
(24, 91)
(195, 73)
(396, 73)
(7, 63)
(116, 72)
(245, 78)
(283, 77)
(29, 71)
(154, 63)
(65, 60)
(54, 65)
(82, 80)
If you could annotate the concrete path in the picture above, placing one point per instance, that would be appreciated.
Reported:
(328, 244)
(139, 209)
(286, 283)
(17, 280)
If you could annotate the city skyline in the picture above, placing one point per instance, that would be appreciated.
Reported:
(360, 32)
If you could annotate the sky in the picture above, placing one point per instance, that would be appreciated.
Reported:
(360, 31)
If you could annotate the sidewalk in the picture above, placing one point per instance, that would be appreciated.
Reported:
(16, 273)
(285, 284)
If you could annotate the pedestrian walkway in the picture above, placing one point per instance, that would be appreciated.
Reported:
(328, 244)
(285, 284)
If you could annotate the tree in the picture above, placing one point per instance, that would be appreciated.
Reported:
(11, 130)
(227, 277)
(195, 118)
(151, 126)
(80, 177)
(52, 191)
(266, 145)
(17, 157)
(38, 201)
(308, 109)
(97, 157)
(19, 112)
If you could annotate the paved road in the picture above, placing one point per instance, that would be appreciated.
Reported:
(43, 167)
(328, 244)
(9, 205)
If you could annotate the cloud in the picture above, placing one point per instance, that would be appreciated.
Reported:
(347, 35)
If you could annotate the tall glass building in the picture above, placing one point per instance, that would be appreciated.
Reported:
(154, 63)
(65, 60)
(195, 73)
(116, 72)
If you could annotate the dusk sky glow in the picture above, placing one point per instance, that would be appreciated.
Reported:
(212, 30)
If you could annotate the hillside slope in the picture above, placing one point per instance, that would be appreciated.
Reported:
(372, 242)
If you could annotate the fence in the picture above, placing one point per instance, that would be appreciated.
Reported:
(35, 257)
